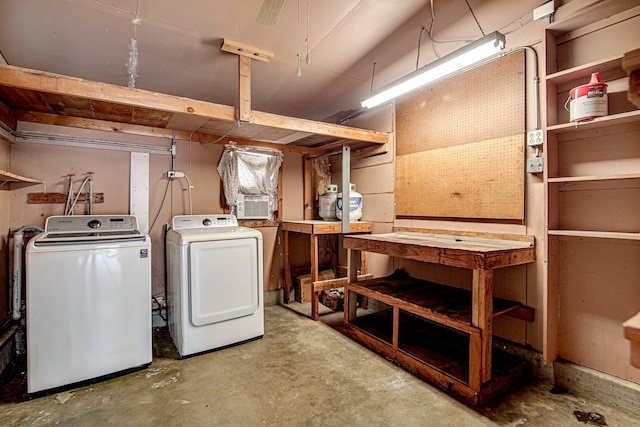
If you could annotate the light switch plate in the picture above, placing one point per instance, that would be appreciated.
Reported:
(535, 165)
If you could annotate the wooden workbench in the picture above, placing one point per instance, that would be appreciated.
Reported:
(410, 305)
(315, 228)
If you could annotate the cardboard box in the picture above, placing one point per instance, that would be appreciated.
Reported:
(302, 287)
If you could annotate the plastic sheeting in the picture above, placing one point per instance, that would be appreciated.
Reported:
(250, 171)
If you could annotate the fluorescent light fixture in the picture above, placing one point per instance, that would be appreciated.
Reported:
(460, 60)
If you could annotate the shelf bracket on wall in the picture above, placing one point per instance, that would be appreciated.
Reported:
(346, 187)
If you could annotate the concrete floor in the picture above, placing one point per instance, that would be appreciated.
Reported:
(302, 373)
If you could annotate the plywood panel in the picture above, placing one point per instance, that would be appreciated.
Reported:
(460, 145)
(484, 103)
(477, 180)
(598, 291)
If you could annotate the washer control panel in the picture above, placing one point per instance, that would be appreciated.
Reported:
(86, 223)
(182, 222)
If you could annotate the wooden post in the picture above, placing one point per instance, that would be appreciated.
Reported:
(244, 81)
(309, 193)
(396, 329)
(353, 264)
(287, 269)
(314, 275)
(482, 318)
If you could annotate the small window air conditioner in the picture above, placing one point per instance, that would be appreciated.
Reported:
(251, 206)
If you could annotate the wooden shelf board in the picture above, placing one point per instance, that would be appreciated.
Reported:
(11, 177)
(435, 354)
(314, 226)
(596, 234)
(611, 120)
(569, 179)
(585, 70)
(439, 303)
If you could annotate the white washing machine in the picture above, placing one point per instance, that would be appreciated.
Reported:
(88, 281)
(214, 283)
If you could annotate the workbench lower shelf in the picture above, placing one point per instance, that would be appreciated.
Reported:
(426, 328)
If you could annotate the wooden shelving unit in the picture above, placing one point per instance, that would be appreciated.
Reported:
(314, 229)
(592, 177)
(440, 333)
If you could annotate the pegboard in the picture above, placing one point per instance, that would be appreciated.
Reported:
(464, 181)
(460, 145)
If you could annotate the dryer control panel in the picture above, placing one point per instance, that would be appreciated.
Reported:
(182, 222)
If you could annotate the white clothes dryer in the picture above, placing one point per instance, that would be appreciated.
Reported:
(214, 283)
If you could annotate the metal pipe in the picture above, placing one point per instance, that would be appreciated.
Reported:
(90, 201)
(18, 238)
(330, 154)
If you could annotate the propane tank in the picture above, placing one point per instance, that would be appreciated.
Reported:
(355, 204)
(327, 202)
(588, 101)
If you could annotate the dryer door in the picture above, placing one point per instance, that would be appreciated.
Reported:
(223, 280)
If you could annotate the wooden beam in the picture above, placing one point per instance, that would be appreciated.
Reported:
(123, 128)
(92, 124)
(319, 128)
(7, 118)
(43, 198)
(244, 83)
(246, 50)
(41, 81)
(370, 151)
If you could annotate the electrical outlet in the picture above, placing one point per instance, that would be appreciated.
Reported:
(535, 138)
(171, 174)
(535, 165)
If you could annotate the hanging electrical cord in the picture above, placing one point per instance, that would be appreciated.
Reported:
(422, 30)
(299, 72)
(164, 197)
(236, 125)
(429, 33)
(189, 191)
(474, 17)
(306, 40)
(518, 28)
(373, 75)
